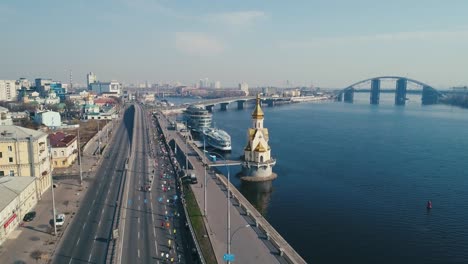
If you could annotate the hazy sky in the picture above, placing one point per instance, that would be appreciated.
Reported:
(329, 43)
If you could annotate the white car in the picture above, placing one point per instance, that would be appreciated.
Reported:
(60, 220)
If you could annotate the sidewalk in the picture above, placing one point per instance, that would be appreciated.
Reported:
(34, 242)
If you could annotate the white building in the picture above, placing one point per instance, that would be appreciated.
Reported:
(18, 196)
(244, 87)
(258, 163)
(217, 85)
(5, 117)
(8, 90)
(48, 118)
(107, 87)
(90, 79)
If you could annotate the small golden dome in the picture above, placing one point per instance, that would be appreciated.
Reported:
(258, 113)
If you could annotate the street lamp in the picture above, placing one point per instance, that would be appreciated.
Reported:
(52, 184)
(227, 201)
(235, 231)
(79, 156)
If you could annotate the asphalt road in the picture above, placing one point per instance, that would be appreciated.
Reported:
(150, 219)
(87, 238)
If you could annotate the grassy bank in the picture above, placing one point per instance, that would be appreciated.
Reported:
(198, 225)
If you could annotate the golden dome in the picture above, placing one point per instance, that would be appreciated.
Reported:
(258, 113)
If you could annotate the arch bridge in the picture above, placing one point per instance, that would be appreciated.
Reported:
(429, 94)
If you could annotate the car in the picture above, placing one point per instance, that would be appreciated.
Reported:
(29, 216)
(60, 220)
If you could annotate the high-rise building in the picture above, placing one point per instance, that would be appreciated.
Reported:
(90, 79)
(217, 85)
(244, 87)
(8, 90)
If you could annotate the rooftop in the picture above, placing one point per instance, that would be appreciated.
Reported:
(59, 139)
(11, 132)
(11, 187)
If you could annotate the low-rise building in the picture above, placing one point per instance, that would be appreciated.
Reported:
(23, 152)
(18, 196)
(64, 149)
(48, 118)
(107, 87)
(5, 117)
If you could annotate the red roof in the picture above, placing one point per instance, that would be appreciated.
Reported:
(59, 139)
(104, 101)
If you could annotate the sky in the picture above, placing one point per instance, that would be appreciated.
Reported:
(328, 43)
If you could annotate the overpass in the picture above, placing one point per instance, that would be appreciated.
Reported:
(429, 94)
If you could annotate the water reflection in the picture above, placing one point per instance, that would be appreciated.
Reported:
(258, 194)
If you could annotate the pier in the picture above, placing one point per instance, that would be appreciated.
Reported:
(255, 240)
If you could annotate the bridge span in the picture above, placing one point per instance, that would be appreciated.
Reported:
(429, 94)
(225, 102)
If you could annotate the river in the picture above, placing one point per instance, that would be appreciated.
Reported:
(354, 179)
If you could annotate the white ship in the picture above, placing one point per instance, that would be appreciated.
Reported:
(218, 139)
(199, 122)
(297, 99)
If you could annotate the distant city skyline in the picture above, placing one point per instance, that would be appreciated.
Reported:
(321, 43)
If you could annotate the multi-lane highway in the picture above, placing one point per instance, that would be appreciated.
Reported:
(87, 238)
(151, 219)
(152, 225)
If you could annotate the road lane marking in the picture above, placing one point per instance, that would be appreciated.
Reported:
(138, 233)
(138, 253)
(89, 259)
(78, 241)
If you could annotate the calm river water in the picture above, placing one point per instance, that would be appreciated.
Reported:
(354, 179)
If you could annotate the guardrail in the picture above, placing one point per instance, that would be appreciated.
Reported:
(284, 249)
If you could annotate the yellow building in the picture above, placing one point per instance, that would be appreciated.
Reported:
(24, 152)
(64, 149)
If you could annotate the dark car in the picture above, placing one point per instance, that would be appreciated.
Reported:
(29, 216)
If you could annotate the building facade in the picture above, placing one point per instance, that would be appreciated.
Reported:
(24, 152)
(5, 117)
(8, 90)
(64, 149)
(48, 118)
(19, 195)
(258, 163)
(107, 87)
(244, 87)
(90, 79)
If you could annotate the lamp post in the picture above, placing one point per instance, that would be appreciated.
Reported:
(53, 196)
(99, 139)
(227, 202)
(204, 166)
(235, 231)
(79, 157)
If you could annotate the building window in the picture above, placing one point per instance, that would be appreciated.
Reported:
(12, 173)
(2, 173)
(55, 153)
(10, 148)
(10, 159)
(55, 162)
(63, 162)
(1, 155)
(63, 153)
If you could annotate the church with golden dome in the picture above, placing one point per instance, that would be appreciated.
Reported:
(257, 161)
